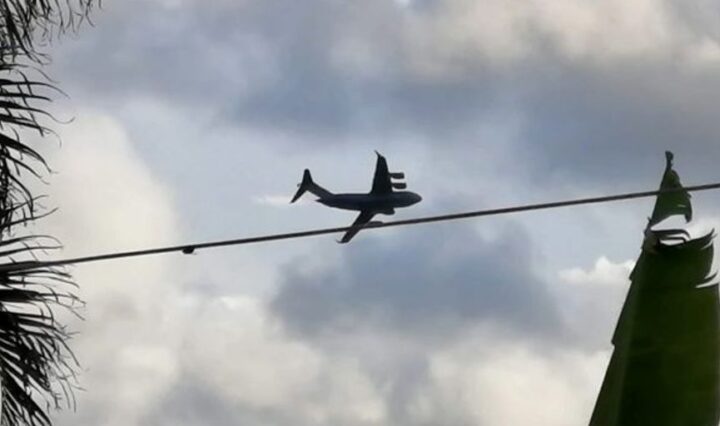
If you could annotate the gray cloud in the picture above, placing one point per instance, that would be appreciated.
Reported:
(275, 65)
(610, 127)
(192, 402)
(326, 71)
(427, 284)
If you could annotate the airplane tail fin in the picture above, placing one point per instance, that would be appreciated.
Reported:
(307, 184)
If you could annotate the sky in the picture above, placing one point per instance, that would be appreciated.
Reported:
(193, 121)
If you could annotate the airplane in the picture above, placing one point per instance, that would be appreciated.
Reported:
(380, 200)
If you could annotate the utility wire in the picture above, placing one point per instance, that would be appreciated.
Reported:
(191, 248)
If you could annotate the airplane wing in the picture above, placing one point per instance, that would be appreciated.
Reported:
(363, 218)
(381, 180)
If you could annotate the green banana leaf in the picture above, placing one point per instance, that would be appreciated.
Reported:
(665, 370)
(671, 203)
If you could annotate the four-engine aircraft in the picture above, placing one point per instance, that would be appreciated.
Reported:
(381, 199)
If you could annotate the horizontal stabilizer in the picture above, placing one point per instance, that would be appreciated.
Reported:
(399, 185)
(397, 175)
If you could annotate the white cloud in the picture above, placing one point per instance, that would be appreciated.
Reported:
(461, 35)
(508, 383)
(590, 300)
(109, 200)
(234, 350)
(608, 30)
(279, 201)
(603, 272)
(232, 347)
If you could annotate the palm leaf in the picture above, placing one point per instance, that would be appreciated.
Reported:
(37, 367)
(24, 22)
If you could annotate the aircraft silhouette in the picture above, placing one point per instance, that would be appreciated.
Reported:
(380, 200)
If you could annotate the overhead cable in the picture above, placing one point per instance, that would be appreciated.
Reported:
(192, 248)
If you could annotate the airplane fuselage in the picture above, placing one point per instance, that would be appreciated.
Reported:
(377, 203)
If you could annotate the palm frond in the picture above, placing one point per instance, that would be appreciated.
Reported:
(36, 365)
(24, 22)
(37, 368)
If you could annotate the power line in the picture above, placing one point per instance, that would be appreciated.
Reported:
(190, 248)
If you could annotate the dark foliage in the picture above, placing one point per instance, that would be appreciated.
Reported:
(37, 368)
(672, 203)
(664, 369)
(25, 22)
(36, 365)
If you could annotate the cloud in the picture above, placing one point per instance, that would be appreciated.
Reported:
(430, 284)
(110, 201)
(454, 326)
(584, 87)
(379, 334)
(603, 273)
(239, 367)
(493, 101)
(153, 336)
(590, 300)
(277, 201)
(508, 383)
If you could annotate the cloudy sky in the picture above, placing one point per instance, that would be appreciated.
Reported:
(194, 121)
